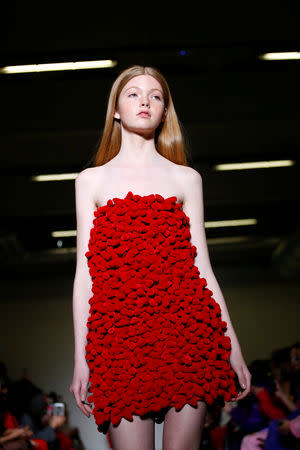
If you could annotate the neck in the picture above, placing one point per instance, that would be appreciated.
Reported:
(137, 149)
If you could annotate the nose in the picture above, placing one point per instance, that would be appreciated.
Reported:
(144, 101)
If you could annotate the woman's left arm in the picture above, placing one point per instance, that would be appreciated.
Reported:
(194, 208)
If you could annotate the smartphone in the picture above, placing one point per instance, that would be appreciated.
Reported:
(58, 409)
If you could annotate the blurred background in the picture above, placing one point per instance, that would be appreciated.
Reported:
(240, 113)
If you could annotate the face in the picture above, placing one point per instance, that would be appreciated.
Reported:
(141, 105)
(295, 358)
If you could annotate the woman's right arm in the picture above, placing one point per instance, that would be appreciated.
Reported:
(82, 286)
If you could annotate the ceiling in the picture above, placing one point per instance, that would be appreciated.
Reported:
(233, 108)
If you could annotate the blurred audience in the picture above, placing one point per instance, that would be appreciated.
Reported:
(269, 417)
(28, 420)
(276, 394)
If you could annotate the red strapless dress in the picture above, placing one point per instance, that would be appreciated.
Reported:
(155, 335)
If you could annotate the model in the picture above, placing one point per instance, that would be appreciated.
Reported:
(153, 335)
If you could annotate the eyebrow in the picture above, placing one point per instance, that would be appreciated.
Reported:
(151, 90)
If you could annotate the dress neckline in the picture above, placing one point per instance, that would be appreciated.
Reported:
(131, 195)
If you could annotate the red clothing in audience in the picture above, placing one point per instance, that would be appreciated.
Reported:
(269, 407)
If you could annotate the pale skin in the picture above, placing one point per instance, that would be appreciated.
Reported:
(139, 168)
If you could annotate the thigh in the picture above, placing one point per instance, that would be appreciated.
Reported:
(135, 435)
(183, 429)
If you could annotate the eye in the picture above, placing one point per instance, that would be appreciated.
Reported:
(133, 94)
(157, 97)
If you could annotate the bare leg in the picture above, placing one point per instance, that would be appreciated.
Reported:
(183, 429)
(135, 435)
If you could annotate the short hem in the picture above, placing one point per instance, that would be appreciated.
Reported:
(159, 416)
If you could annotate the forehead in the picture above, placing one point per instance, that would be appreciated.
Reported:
(146, 82)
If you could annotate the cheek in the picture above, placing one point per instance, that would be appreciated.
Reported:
(124, 109)
(160, 111)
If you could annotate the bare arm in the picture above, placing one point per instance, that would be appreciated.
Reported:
(194, 209)
(82, 286)
(16, 433)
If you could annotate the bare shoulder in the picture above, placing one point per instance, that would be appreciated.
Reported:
(88, 175)
(188, 173)
(184, 173)
(190, 180)
(88, 183)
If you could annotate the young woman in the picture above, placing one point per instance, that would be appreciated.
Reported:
(149, 337)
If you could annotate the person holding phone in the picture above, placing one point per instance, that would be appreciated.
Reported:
(43, 425)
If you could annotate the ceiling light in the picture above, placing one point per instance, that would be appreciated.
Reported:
(278, 56)
(50, 67)
(63, 233)
(55, 177)
(254, 165)
(230, 223)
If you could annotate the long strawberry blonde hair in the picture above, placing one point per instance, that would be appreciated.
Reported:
(169, 137)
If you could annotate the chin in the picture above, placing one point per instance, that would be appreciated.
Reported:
(142, 129)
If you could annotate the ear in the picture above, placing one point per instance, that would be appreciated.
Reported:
(164, 115)
(116, 115)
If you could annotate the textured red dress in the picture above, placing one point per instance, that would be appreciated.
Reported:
(155, 335)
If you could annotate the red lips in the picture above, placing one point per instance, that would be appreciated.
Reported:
(144, 114)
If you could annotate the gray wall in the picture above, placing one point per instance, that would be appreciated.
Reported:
(37, 330)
